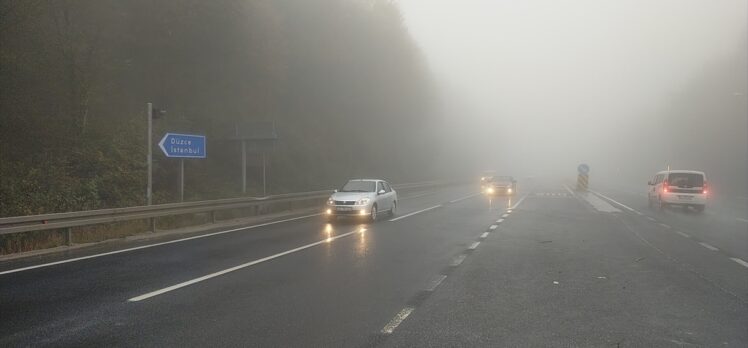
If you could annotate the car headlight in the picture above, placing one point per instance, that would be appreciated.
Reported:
(362, 201)
(489, 190)
(509, 190)
(330, 202)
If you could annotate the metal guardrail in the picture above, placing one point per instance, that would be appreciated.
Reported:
(23, 224)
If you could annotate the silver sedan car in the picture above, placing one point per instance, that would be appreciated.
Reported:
(362, 198)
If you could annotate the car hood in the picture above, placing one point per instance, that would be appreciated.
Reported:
(501, 183)
(351, 196)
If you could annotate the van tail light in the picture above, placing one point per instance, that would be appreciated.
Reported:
(703, 188)
(664, 186)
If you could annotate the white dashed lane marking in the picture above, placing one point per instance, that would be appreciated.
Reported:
(740, 261)
(682, 234)
(474, 245)
(392, 325)
(505, 215)
(499, 221)
(434, 282)
(457, 260)
(493, 227)
(484, 235)
(710, 247)
(664, 225)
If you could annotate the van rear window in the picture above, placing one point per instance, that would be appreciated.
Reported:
(685, 180)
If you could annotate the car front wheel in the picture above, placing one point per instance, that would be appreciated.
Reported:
(393, 210)
(373, 215)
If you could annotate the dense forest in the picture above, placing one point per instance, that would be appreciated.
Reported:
(342, 82)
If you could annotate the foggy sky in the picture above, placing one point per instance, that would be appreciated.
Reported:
(545, 84)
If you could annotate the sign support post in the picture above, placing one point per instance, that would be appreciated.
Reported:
(244, 166)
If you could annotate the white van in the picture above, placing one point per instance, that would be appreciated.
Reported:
(686, 188)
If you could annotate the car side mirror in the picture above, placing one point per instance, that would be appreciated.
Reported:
(381, 192)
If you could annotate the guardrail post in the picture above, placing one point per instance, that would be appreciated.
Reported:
(69, 236)
(213, 216)
(152, 223)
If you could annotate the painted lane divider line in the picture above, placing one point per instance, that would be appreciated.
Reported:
(518, 202)
(683, 234)
(504, 216)
(499, 221)
(415, 212)
(741, 219)
(614, 201)
(474, 245)
(236, 268)
(458, 260)
(435, 282)
(493, 227)
(664, 225)
(710, 247)
(463, 198)
(156, 244)
(484, 235)
(740, 261)
(395, 322)
(651, 218)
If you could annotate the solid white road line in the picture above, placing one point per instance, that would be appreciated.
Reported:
(614, 201)
(682, 234)
(457, 260)
(435, 282)
(484, 235)
(474, 245)
(568, 189)
(518, 203)
(739, 261)
(392, 325)
(155, 244)
(415, 212)
(712, 248)
(463, 198)
(235, 268)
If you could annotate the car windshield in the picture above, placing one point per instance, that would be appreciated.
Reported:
(359, 186)
(685, 179)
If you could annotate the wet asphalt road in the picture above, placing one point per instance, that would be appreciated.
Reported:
(469, 271)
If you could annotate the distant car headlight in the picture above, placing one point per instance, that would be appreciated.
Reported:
(489, 190)
(362, 201)
(509, 190)
(330, 202)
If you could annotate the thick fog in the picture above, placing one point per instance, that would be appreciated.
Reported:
(630, 87)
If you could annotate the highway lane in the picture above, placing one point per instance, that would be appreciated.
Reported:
(555, 270)
(722, 225)
(560, 272)
(86, 301)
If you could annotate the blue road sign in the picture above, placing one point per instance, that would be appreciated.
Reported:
(583, 168)
(183, 145)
